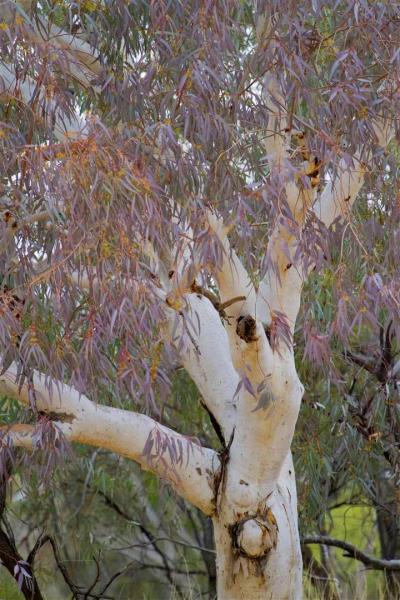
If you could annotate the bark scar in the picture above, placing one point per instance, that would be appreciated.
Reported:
(58, 416)
(246, 328)
(253, 538)
(220, 476)
(216, 426)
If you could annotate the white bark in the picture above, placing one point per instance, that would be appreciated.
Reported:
(208, 361)
(281, 288)
(233, 282)
(256, 477)
(121, 431)
(281, 578)
(339, 194)
(257, 474)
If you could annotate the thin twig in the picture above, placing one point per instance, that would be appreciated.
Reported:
(77, 591)
(95, 581)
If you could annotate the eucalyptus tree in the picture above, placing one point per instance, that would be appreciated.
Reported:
(172, 175)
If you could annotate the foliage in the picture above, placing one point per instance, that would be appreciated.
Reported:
(175, 111)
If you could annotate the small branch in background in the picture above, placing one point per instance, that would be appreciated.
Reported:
(142, 566)
(352, 552)
(362, 361)
(152, 540)
(203, 531)
(386, 353)
(96, 580)
(76, 590)
(320, 577)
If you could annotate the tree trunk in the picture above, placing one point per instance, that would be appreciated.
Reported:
(255, 521)
(255, 512)
(258, 548)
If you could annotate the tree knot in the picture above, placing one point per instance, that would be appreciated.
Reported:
(246, 328)
(255, 536)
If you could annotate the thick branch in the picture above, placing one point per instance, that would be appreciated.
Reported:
(233, 280)
(280, 291)
(282, 287)
(339, 194)
(294, 169)
(207, 359)
(194, 319)
(188, 467)
(269, 410)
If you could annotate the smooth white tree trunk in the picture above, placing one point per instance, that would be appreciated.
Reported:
(279, 575)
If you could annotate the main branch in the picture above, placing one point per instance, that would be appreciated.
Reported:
(188, 467)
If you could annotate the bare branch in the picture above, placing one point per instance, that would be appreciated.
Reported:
(207, 358)
(281, 289)
(292, 165)
(362, 361)
(234, 283)
(340, 193)
(372, 562)
(76, 590)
